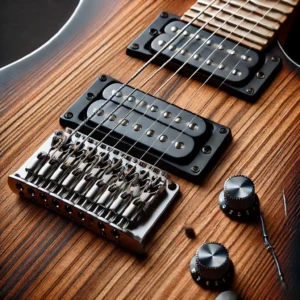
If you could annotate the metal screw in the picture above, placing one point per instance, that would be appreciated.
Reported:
(103, 78)
(206, 149)
(90, 96)
(260, 75)
(68, 115)
(250, 91)
(153, 31)
(172, 186)
(223, 130)
(274, 58)
(134, 46)
(164, 14)
(58, 132)
(195, 169)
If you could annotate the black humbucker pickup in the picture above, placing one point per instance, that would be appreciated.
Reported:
(239, 70)
(160, 133)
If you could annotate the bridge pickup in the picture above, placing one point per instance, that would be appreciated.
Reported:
(162, 134)
(246, 72)
(102, 190)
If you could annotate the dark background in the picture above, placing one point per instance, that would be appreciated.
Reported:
(26, 25)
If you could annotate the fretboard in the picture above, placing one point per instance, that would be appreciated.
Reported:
(252, 23)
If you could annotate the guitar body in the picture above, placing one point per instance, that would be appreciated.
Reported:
(46, 256)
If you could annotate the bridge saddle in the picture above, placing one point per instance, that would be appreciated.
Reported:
(96, 186)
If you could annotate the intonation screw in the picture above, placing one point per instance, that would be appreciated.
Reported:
(274, 58)
(250, 91)
(103, 78)
(134, 46)
(68, 115)
(164, 14)
(195, 169)
(90, 96)
(223, 130)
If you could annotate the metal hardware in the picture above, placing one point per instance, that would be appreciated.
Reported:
(146, 124)
(236, 83)
(100, 190)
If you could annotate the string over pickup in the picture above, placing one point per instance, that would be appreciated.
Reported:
(146, 127)
(207, 56)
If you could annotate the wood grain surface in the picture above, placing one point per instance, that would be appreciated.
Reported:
(44, 256)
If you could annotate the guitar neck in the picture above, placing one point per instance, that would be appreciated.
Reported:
(258, 20)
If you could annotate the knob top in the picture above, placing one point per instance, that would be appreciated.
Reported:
(239, 187)
(212, 260)
(239, 192)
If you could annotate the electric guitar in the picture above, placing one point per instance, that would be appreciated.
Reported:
(158, 103)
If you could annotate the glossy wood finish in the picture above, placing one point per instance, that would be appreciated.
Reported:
(46, 256)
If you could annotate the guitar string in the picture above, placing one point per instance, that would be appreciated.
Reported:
(131, 93)
(185, 83)
(140, 101)
(217, 89)
(263, 226)
(139, 71)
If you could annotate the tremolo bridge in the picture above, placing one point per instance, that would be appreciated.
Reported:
(111, 181)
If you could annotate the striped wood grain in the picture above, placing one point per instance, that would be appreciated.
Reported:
(46, 257)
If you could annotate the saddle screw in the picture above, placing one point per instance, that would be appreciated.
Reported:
(274, 58)
(134, 46)
(250, 91)
(90, 96)
(195, 169)
(103, 78)
(164, 14)
(68, 115)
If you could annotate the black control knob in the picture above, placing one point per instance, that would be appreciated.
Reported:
(238, 199)
(211, 267)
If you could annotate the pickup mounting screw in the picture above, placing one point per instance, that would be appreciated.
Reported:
(134, 46)
(206, 149)
(90, 96)
(195, 169)
(274, 58)
(260, 75)
(222, 130)
(250, 91)
(103, 78)
(164, 14)
(153, 31)
(68, 115)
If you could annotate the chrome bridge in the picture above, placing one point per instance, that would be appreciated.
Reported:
(103, 189)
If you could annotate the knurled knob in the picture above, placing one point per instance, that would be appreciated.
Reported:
(211, 267)
(239, 192)
(238, 199)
